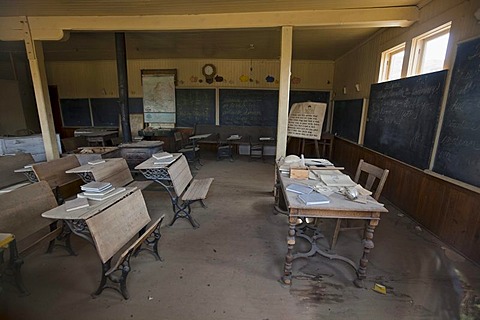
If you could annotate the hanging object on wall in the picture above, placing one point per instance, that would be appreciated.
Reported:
(244, 78)
(269, 79)
(219, 78)
(296, 80)
(193, 79)
(209, 71)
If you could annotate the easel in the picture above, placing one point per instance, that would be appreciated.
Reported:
(326, 141)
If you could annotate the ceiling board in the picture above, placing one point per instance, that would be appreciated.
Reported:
(164, 7)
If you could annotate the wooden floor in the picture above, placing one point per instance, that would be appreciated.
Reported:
(230, 267)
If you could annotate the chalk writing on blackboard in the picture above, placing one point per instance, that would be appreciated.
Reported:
(403, 117)
(458, 152)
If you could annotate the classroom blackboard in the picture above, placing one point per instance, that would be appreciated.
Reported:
(135, 105)
(75, 112)
(347, 118)
(248, 107)
(403, 117)
(458, 152)
(195, 106)
(105, 112)
(313, 96)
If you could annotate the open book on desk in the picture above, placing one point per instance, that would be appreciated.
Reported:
(299, 188)
(337, 180)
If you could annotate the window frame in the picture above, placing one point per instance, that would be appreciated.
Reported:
(386, 59)
(417, 53)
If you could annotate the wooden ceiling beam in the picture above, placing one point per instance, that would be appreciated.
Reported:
(53, 27)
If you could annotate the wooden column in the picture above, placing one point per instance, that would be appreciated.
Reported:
(40, 86)
(284, 92)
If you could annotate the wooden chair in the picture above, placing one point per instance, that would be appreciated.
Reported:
(375, 180)
(191, 152)
(256, 148)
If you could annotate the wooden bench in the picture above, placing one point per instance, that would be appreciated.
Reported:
(9, 180)
(114, 229)
(117, 173)
(186, 189)
(64, 185)
(21, 216)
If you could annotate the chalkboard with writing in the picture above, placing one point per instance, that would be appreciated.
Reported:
(458, 153)
(403, 117)
(347, 118)
(195, 106)
(246, 107)
(75, 112)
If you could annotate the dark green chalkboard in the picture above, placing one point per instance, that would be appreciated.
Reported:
(248, 107)
(195, 106)
(403, 116)
(458, 152)
(105, 112)
(347, 118)
(75, 112)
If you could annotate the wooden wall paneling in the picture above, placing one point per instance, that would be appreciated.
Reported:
(431, 204)
(447, 210)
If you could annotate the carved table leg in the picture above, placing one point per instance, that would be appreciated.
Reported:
(367, 247)
(287, 274)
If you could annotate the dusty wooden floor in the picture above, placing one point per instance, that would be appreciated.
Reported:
(230, 267)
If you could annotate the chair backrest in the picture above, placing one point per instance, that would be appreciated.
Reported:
(115, 171)
(53, 171)
(22, 209)
(10, 163)
(180, 175)
(178, 140)
(112, 228)
(375, 180)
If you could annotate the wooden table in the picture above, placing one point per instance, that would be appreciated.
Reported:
(339, 207)
(75, 219)
(99, 137)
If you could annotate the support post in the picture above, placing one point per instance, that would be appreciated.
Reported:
(121, 55)
(40, 86)
(284, 92)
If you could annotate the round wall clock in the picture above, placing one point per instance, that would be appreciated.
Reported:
(209, 70)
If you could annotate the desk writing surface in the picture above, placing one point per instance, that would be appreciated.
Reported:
(149, 163)
(339, 206)
(84, 213)
(95, 167)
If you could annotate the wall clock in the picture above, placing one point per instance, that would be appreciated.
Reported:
(209, 70)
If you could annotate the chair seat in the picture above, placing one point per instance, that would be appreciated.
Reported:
(188, 150)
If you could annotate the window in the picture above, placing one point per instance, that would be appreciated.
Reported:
(429, 50)
(392, 62)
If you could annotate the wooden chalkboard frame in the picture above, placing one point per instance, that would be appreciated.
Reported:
(352, 128)
(458, 150)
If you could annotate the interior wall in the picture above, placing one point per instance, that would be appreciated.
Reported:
(98, 79)
(361, 65)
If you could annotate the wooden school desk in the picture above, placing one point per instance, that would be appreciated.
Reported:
(339, 207)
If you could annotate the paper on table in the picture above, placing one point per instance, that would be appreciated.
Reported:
(75, 204)
(337, 180)
(313, 198)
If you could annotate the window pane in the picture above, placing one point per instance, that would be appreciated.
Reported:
(396, 61)
(434, 54)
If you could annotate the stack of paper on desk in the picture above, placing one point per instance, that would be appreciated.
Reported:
(337, 180)
(99, 196)
(162, 155)
(96, 186)
(164, 161)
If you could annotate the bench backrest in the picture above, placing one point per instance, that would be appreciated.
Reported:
(116, 226)
(8, 164)
(116, 172)
(73, 143)
(53, 171)
(22, 209)
(180, 175)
